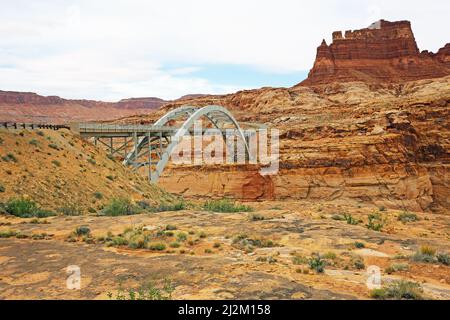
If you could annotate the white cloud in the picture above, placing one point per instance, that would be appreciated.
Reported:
(114, 49)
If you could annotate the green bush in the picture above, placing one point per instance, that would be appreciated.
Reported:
(225, 206)
(2, 188)
(53, 146)
(399, 290)
(317, 263)
(34, 142)
(406, 217)
(82, 231)
(9, 158)
(176, 206)
(175, 245)
(7, 234)
(121, 207)
(359, 245)
(181, 236)
(350, 220)
(98, 195)
(443, 258)
(157, 246)
(25, 208)
(375, 222)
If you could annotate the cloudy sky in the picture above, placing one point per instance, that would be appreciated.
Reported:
(114, 49)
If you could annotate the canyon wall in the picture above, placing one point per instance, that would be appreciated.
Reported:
(31, 107)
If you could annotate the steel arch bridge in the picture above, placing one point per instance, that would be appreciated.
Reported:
(153, 145)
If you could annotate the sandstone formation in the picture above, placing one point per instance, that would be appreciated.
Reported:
(384, 52)
(385, 144)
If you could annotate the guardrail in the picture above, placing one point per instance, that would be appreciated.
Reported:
(32, 126)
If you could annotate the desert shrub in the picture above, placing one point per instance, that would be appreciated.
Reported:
(110, 177)
(157, 246)
(176, 206)
(9, 158)
(316, 263)
(443, 258)
(98, 195)
(7, 234)
(91, 161)
(375, 222)
(399, 290)
(70, 210)
(53, 146)
(56, 163)
(426, 254)
(359, 245)
(2, 188)
(406, 217)
(397, 267)
(145, 292)
(225, 206)
(208, 251)
(248, 245)
(217, 245)
(181, 236)
(202, 235)
(25, 208)
(256, 217)
(40, 133)
(170, 227)
(121, 207)
(350, 220)
(34, 142)
(297, 260)
(82, 231)
(1, 141)
(175, 245)
(358, 263)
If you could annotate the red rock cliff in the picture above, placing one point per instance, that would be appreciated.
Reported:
(384, 52)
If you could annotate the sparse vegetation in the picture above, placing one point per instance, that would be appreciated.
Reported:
(444, 259)
(426, 254)
(98, 195)
(397, 267)
(359, 245)
(256, 217)
(406, 217)
(2, 188)
(34, 142)
(375, 222)
(70, 210)
(399, 290)
(121, 207)
(25, 208)
(145, 292)
(225, 206)
(9, 158)
(316, 263)
(248, 245)
(299, 260)
(53, 146)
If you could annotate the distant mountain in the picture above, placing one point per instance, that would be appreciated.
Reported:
(31, 107)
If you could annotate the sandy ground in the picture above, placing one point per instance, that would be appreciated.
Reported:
(212, 267)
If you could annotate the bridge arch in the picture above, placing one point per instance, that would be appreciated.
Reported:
(217, 115)
(214, 114)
